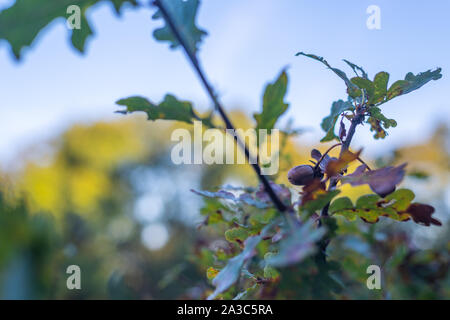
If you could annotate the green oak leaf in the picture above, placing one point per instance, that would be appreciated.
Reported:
(396, 89)
(412, 82)
(366, 208)
(231, 272)
(352, 90)
(357, 68)
(213, 209)
(320, 202)
(397, 206)
(375, 112)
(401, 202)
(375, 125)
(328, 123)
(300, 242)
(169, 109)
(211, 273)
(80, 36)
(367, 201)
(379, 123)
(401, 198)
(380, 83)
(25, 19)
(238, 234)
(340, 204)
(273, 103)
(183, 13)
(269, 271)
(365, 84)
(262, 217)
(344, 207)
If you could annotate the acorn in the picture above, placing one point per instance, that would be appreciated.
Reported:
(301, 175)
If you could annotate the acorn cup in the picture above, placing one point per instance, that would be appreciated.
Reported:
(301, 175)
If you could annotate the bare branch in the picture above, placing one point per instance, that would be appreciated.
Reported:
(196, 65)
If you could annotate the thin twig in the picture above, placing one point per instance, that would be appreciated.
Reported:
(193, 59)
(357, 119)
(326, 152)
(345, 145)
(361, 160)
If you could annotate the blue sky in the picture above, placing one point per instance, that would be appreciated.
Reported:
(249, 42)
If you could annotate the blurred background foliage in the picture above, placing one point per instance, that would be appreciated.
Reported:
(106, 197)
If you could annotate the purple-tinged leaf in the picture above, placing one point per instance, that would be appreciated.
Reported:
(299, 243)
(316, 154)
(382, 181)
(244, 198)
(280, 190)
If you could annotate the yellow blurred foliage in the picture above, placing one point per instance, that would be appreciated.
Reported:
(77, 177)
(43, 187)
(105, 145)
(430, 156)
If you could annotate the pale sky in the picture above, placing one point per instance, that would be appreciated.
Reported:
(249, 42)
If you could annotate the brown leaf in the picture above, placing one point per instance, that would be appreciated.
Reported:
(312, 190)
(335, 167)
(421, 213)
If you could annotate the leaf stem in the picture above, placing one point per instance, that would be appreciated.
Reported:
(196, 65)
(326, 152)
(361, 160)
(357, 119)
